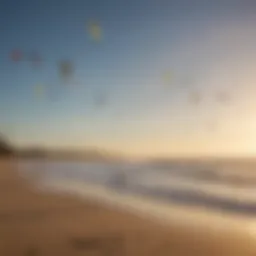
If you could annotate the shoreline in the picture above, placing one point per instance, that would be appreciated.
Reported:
(153, 209)
(47, 224)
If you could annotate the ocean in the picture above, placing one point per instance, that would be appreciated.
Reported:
(228, 187)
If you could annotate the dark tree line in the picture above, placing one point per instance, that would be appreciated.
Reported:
(5, 148)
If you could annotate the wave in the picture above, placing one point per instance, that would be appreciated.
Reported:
(182, 185)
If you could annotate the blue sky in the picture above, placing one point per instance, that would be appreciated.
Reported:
(202, 44)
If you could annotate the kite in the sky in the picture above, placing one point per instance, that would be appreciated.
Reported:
(66, 69)
(222, 97)
(100, 99)
(95, 31)
(195, 97)
(167, 77)
(16, 55)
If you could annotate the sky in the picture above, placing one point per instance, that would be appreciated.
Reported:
(206, 48)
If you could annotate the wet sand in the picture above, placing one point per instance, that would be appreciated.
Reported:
(37, 223)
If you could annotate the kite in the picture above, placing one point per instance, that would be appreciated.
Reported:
(16, 55)
(65, 69)
(100, 99)
(95, 31)
(223, 97)
(195, 98)
(167, 77)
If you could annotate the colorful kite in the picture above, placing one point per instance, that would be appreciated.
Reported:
(95, 31)
(167, 77)
(16, 55)
(100, 99)
(66, 69)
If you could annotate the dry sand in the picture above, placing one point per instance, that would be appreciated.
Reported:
(36, 223)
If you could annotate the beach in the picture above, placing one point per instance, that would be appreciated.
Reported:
(34, 222)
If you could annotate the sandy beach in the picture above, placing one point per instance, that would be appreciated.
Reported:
(37, 223)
